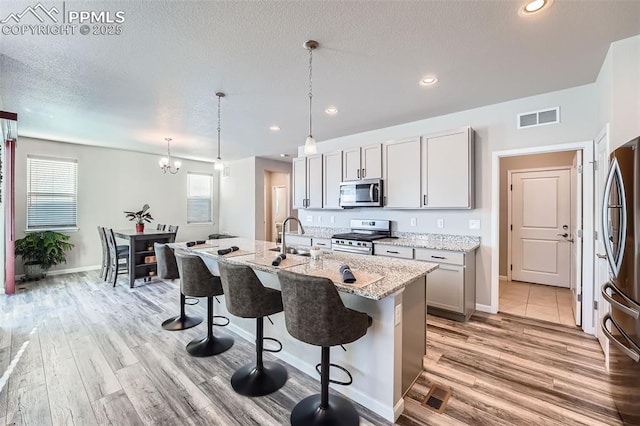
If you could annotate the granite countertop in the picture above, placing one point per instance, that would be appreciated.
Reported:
(461, 243)
(396, 273)
(319, 232)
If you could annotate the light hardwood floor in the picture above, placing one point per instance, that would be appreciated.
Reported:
(96, 355)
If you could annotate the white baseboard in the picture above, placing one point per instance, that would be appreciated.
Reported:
(68, 271)
(503, 278)
(485, 308)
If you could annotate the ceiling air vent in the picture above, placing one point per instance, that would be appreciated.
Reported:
(539, 118)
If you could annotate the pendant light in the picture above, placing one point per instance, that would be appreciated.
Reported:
(165, 162)
(218, 164)
(310, 146)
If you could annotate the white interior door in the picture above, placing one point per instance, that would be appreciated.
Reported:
(541, 221)
(576, 237)
(279, 210)
(601, 264)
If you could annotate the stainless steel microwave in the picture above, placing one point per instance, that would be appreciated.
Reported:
(361, 193)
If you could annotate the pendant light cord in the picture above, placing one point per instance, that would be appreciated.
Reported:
(219, 126)
(310, 86)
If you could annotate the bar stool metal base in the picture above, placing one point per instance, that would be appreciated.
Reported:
(339, 412)
(209, 346)
(181, 323)
(250, 380)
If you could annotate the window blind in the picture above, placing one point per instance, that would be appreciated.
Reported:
(52, 193)
(199, 198)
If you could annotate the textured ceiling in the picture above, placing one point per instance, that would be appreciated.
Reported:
(159, 77)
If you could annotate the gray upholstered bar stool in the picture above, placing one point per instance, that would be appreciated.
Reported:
(315, 314)
(197, 281)
(246, 297)
(168, 270)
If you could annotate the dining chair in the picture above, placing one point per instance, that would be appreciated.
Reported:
(161, 227)
(116, 254)
(104, 268)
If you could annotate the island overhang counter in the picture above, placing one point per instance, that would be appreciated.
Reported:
(387, 360)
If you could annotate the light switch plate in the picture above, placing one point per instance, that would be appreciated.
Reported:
(398, 314)
(414, 221)
(319, 219)
(310, 218)
(474, 224)
(441, 223)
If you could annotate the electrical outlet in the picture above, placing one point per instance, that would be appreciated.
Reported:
(333, 219)
(398, 314)
(441, 223)
(414, 221)
(474, 224)
(310, 218)
(319, 219)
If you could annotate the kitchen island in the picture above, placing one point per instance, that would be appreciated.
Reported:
(385, 362)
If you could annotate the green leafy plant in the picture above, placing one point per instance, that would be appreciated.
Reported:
(45, 248)
(140, 216)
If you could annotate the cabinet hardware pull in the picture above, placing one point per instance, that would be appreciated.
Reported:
(320, 244)
(438, 257)
(424, 199)
(363, 173)
(358, 173)
(391, 251)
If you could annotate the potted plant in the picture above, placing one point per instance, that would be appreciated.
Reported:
(41, 250)
(140, 217)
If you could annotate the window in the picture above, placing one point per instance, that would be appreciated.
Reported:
(52, 193)
(199, 198)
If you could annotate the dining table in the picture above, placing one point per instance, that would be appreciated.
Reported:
(141, 253)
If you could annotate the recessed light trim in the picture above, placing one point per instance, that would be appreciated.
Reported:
(429, 81)
(274, 128)
(331, 110)
(534, 6)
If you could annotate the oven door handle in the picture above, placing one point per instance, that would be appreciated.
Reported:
(633, 352)
(632, 310)
(350, 250)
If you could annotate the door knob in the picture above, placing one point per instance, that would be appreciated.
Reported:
(565, 235)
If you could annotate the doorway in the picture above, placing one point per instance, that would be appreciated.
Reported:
(276, 206)
(584, 259)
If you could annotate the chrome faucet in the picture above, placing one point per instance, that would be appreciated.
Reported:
(283, 249)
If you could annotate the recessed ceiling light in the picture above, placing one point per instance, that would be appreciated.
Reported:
(428, 81)
(284, 155)
(274, 128)
(331, 110)
(534, 6)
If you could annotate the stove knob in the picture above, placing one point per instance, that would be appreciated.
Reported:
(359, 244)
(350, 243)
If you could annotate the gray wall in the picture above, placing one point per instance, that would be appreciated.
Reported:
(109, 182)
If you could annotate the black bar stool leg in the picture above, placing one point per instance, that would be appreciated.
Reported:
(183, 321)
(259, 378)
(209, 345)
(324, 409)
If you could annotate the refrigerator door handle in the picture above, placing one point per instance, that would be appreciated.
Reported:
(614, 178)
(633, 351)
(632, 310)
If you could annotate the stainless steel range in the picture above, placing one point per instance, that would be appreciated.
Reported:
(363, 233)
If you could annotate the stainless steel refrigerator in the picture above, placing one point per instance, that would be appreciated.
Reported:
(621, 230)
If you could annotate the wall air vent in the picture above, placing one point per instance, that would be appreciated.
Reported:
(539, 118)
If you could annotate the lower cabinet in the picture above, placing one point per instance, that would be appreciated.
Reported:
(323, 243)
(451, 289)
(298, 240)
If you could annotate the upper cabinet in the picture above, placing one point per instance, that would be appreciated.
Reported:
(402, 173)
(362, 163)
(307, 182)
(448, 170)
(332, 176)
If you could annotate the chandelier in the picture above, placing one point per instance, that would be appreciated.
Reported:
(165, 162)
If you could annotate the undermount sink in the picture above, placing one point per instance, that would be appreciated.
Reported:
(294, 250)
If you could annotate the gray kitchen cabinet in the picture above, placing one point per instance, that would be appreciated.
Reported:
(448, 170)
(332, 176)
(390, 250)
(298, 241)
(323, 243)
(307, 182)
(451, 289)
(401, 175)
(362, 163)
